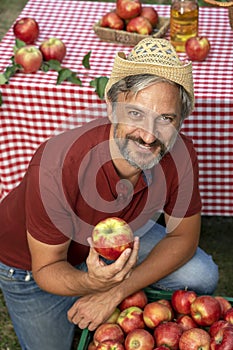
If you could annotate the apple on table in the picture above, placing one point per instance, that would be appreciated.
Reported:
(53, 49)
(151, 14)
(26, 29)
(128, 9)
(140, 25)
(112, 20)
(197, 48)
(29, 57)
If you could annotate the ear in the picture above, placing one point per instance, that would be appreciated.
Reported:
(109, 109)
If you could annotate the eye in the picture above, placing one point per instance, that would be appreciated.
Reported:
(165, 119)
(136, 115)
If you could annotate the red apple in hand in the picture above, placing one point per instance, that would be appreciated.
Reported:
(197, 48)
(138, 299)
(195, 339)
(205, 310)
(131, 318)
(139, 339)
(111, 237)
(140, 25)
(112, 20)
(53, 49)
(29, 57)
(151, 14)
(168, 334)
(154, 313)
(182, 299)
(128, 9)
(26, 29)
(108, 331)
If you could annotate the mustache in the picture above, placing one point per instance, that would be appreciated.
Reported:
(139, 140)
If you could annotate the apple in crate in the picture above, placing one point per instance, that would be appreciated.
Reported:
(139, 339)
(151, 14)
(168, 334)
(111, 237)
(140, 25)
(110, 345)
(131, 318)
(108, 331)
(112, 20)
(182, 299)
(155, 313)
(53, 49)
(29, 57)
(26, 29)
(138, 299)
(222, 340)
(128, 9)
(224, 303)
(205, 310)
(216, 326)
(195, 339)
(197, 48)
(114, 316)
(229, 315)
(186, 322)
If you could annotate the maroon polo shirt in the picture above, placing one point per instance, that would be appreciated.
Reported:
(71, 184)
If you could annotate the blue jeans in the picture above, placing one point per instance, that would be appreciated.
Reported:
(40, 318)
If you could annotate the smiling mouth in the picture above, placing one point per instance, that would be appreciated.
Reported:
(148, 147)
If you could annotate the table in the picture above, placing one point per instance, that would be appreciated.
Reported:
(34, 107)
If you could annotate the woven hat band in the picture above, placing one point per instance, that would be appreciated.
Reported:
(156, 57)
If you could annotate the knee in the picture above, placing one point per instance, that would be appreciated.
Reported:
(200, 275)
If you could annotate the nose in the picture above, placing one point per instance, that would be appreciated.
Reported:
(149, 132)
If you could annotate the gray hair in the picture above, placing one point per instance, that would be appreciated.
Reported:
(136, 83)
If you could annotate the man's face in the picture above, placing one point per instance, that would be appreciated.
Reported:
(145, 125)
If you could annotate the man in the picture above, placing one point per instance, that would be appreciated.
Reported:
(134, 164)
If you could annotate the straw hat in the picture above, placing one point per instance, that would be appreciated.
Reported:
(153, 56)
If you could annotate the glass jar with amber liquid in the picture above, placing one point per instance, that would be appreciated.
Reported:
(183, 22)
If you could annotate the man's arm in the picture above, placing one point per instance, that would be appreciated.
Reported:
(178, 246)
(54, 274)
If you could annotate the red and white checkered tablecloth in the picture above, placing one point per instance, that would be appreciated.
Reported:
(34, 107)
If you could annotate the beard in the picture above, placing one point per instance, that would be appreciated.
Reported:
(138, 159)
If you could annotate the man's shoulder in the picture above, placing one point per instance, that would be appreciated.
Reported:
(56, 148)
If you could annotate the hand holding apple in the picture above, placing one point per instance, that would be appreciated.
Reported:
(29, 57)
(26, 29)
(53, 49)
(197, 48)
